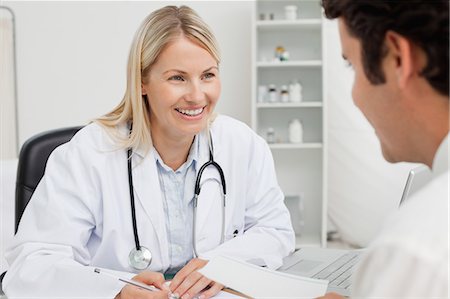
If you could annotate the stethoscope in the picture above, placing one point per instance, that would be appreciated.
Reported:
(140, 257)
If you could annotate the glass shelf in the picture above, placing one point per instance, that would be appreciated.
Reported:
(287, 24)
(311, 104)
(290, 63)
(307, 145)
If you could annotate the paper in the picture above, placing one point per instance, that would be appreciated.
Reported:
(258, 282)
(225, 295)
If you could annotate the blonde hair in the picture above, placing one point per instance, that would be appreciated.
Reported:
(159, 29)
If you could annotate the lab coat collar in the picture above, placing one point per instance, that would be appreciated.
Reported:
(441, 158)
(202, 147)
(124, 130)
(199, 149)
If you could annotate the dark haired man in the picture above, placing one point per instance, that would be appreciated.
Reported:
(399, 52)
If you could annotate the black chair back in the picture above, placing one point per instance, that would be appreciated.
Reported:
(32, 160)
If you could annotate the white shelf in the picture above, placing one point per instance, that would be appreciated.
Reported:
(290, 63)
(307, 145)
(286, 24)
(311, 104)
(301, 168)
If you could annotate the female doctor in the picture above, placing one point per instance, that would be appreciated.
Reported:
(157, 185)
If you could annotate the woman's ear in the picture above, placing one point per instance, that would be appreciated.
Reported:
(143, 90)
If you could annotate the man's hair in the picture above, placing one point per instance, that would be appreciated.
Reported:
(425, 23)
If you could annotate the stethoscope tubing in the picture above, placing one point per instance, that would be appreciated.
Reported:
(197, 189)
(133, 207)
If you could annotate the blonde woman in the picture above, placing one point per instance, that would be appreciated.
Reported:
(142, 189)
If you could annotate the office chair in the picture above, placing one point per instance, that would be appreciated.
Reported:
(32, 160)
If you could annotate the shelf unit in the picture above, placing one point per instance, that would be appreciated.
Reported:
(300, 167)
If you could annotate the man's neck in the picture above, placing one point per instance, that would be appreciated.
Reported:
(433, 125)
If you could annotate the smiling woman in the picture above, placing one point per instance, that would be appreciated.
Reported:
(204, 185)
(182, 89)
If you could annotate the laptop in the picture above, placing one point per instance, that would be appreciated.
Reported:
(336, 265)
(420, 176)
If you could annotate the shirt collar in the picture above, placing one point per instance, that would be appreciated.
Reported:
(440, 161)
(193, 156)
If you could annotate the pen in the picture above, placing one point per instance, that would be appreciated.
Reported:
(129, 281)
(133, 282)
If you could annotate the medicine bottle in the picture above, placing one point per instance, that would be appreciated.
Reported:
(273, 97)
(295, 131)
(290, 12)
(270, 135)
(284, 94)
(295, 91)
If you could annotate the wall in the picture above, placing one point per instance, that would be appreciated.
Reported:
(8, 132)
(71, 68)
(72, 57)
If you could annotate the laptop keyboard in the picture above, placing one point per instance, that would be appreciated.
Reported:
(339, 273)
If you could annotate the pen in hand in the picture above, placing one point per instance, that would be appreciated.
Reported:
(132, 282)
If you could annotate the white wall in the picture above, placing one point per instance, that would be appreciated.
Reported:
(8, 140)
(72, 57)
(71, 68)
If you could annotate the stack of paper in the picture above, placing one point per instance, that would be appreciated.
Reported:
(257, 282)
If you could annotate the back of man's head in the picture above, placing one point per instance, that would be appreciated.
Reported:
(425, 23)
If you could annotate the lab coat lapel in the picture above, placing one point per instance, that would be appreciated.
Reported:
(148, 192)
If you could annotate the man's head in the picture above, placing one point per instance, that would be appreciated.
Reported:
(399, 51)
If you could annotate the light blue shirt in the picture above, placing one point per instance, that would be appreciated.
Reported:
(177, 189)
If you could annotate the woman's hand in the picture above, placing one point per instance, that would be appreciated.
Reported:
(150, 278)
(331, 296)
(188, 282)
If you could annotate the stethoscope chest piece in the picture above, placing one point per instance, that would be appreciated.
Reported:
(140, 259)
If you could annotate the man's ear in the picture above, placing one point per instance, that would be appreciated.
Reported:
(401, 50)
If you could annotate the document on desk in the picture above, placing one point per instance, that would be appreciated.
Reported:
(257, 282)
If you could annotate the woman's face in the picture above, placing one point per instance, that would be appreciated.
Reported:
(182, 87)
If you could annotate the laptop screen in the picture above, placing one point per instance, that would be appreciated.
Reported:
(417, 178)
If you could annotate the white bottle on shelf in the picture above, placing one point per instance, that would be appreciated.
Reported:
(284, 94)
(295, 131)
(262, 93)
(290, 12)
(270, 137)
(273, 96)
(295, 91)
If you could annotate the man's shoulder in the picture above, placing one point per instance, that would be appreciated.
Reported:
(422, 222)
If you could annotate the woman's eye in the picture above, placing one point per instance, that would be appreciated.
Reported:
(177, 78)
(208, 75)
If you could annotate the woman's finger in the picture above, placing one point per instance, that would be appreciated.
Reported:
(152, 278)
(190, 267)
(133, 292)
(212, 291)
(187, 283)
(196, 288)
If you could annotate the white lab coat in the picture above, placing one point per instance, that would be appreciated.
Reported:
(80, 217)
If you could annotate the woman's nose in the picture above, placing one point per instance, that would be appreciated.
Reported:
(196, 92)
